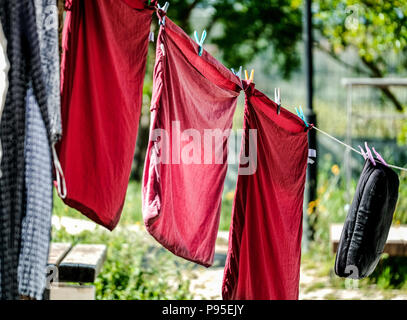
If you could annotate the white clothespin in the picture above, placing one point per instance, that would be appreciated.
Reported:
(277, 99)
(151, 36)
(312, 153)
(164, 8)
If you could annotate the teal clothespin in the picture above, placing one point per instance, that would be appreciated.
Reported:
(200, 42)
(300, 113)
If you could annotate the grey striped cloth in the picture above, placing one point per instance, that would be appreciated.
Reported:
(19, 26)
(36, 224)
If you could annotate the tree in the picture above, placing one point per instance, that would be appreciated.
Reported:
(375, 29)
(249, 28)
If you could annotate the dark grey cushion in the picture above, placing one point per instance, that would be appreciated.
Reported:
(368, 222)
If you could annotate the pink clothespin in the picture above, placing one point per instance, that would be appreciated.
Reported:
(379, 157)
(369, 154)
(363, 152)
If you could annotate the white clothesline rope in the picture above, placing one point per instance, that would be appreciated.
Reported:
(353, 149)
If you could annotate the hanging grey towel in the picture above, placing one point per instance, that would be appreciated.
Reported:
(36, 224)
(368, 222)
(20, 29)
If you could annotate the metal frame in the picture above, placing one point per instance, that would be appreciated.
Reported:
(349, 83)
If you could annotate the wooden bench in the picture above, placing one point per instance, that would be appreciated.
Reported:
(396, 244)
(79, 264)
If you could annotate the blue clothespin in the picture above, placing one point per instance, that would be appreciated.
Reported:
(200, 42)
(300, 113)
(238, 74)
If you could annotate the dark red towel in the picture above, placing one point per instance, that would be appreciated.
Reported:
(105, 48)
(181, 201)
(264, 254)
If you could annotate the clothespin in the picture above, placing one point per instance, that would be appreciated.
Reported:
(379, 157)
(151, 36)
(247, 76)
(237, 73)
(163, 8)
(200, 42)
(364, 155)
(369, 154)
(277, 99)
(300, 113)
(312, 153)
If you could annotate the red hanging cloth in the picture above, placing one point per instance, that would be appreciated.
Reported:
(105, 47)
(264, 253)
(181, 201)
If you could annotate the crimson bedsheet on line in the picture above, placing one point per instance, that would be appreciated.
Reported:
(264, 253)
(105, 47)
(181, 201)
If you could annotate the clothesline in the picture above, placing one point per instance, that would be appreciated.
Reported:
(353, 149)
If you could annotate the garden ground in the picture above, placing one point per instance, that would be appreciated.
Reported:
(317, 280)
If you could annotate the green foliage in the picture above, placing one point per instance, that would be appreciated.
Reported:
(390, 273)
(248, 28)
(375, 29)
(402, 138)
(226, 211)
(252, 27)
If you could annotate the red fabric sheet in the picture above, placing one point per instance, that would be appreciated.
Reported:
(105, 47)
(264, 253)
(181, 202)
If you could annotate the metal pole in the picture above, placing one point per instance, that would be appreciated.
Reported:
(348, 157)
(311, 185)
